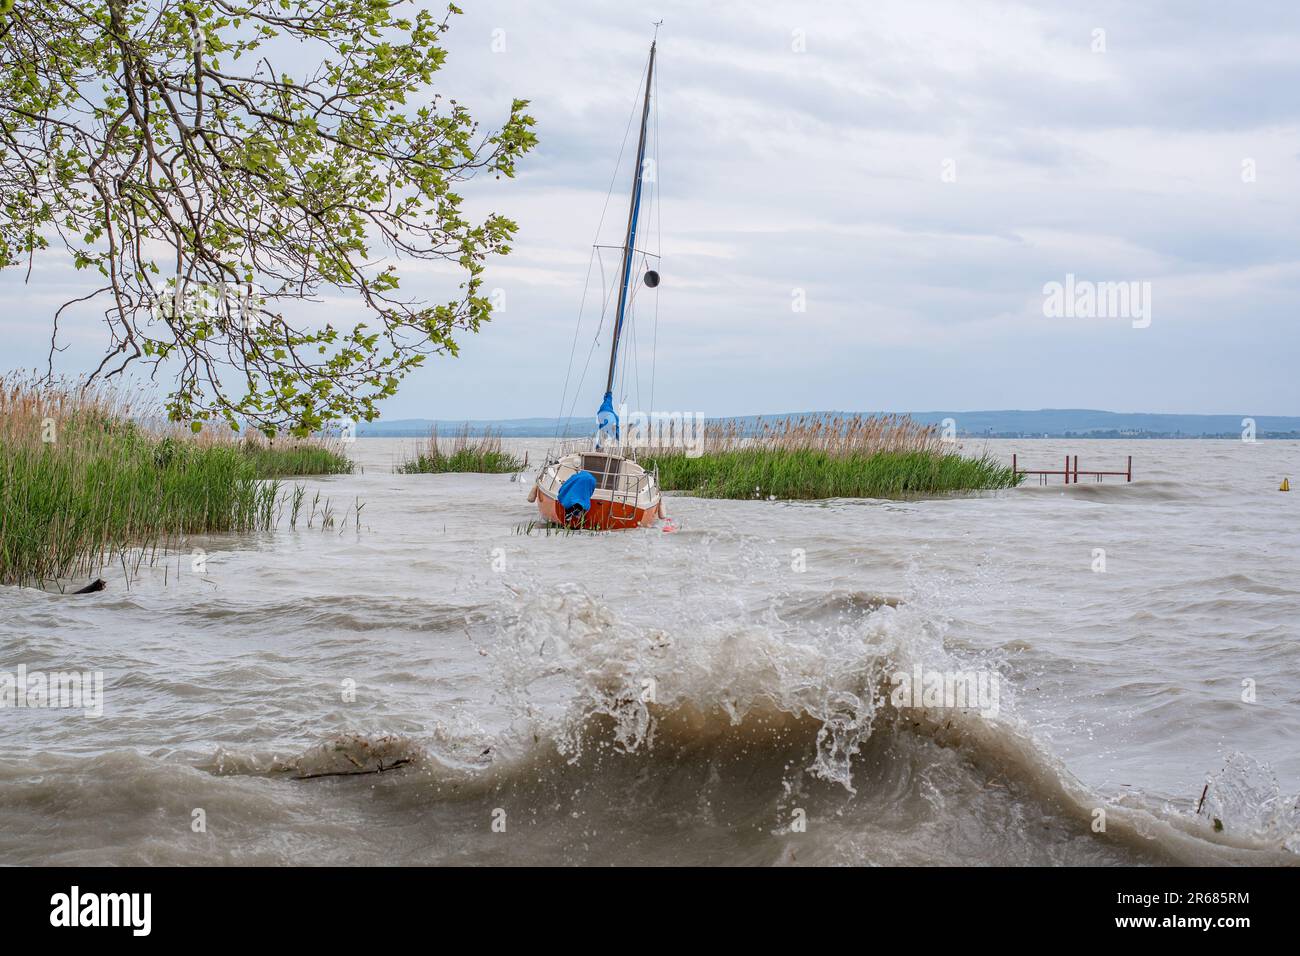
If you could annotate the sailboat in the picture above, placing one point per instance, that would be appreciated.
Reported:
(600, 487)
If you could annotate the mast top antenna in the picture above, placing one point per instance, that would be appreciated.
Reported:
(657, 24)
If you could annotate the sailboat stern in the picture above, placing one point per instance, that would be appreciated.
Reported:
(625, 495)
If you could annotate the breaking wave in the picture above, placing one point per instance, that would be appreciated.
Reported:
(771, 738)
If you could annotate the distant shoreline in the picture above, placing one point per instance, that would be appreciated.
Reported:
(961, 436)
(1013, 423)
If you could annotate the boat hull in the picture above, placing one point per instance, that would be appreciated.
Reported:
(603, 515)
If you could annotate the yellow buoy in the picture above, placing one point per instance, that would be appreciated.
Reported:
(1286, 485)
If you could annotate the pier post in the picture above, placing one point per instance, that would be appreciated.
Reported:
(1071, 471)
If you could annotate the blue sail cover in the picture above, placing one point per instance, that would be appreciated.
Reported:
(606, 419)
(577, 490)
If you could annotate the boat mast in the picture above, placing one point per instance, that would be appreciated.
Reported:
(630, 243)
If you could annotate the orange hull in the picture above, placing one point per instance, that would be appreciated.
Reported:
(603, 515)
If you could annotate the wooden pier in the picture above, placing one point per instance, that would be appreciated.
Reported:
(1071, 472)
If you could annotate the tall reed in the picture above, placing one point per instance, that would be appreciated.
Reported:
(290, 457)
(834, 434)
(90, 475)
(833, 456)
(462, 453)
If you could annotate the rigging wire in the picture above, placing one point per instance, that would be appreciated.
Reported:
(659, 241)
(629, 354)
(655, 210)
(574, 348)
(607, 301)
(604, 210)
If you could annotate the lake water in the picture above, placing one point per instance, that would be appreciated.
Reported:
(724, 693)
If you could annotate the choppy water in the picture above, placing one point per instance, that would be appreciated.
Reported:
(691, 697)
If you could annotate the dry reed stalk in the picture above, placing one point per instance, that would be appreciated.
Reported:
(836, 435)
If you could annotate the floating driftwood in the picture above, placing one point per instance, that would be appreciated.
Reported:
(360, 771)
(353, 755)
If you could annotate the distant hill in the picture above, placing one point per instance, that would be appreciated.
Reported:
(1087, 422)
(1009, 423)
(506, 427)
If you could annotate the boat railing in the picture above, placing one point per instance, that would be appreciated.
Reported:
(570, 446)
(622, 487)
(574, 446)
(628, 491)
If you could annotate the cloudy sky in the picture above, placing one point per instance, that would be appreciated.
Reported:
(915, 171)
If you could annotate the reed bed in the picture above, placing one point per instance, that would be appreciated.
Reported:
(463, 452)
(296, 457)
(837, 435)
(812, 457)
(90, 475)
